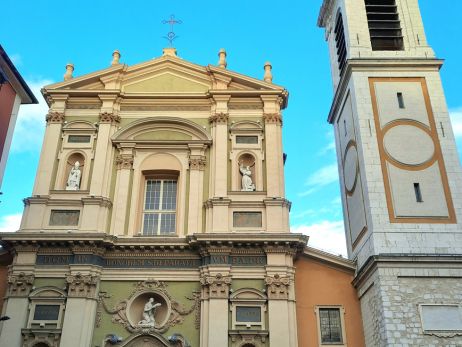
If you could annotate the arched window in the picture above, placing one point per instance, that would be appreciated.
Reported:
(340, 43)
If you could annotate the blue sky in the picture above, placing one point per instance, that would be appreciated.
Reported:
(44, 35)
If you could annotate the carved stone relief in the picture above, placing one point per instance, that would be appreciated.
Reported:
(216, 286)
(81, 286)
(219, 118)
(108, 117)
(124, 161)
(55, 117)
(277, 287)
(131, 312)
(20, 284)
(197, 162)
(272, 118)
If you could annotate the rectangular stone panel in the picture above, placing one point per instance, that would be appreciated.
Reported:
(46, 312)
(247, 219)
(64, 217)
(441, 317)
(247, 140)
(248, 314)
(78, 139)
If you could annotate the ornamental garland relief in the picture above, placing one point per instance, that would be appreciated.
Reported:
(149, 309)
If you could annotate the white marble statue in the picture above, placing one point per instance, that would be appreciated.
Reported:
(148, 313)
(73, 181)
(247, 184)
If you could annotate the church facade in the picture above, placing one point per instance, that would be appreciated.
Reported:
(159, 217)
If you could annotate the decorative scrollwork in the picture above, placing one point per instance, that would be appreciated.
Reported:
(109, 117)
(121, 311)
(272, 118)
(220, 117)
(80, 285)
(124, 161)
(277, 287)
(55, 117)
(216, 286)
(197, 163)
(20, 284)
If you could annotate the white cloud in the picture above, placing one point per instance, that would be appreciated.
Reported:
(30, 125)
(16, 59)
(456, 120)
(10, 223)
(325, 235)
(330, 147)
(323, 177)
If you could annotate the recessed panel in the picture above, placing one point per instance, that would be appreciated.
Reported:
(409, 144)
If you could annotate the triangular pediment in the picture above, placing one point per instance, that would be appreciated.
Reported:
(164, 75)
(169, 81)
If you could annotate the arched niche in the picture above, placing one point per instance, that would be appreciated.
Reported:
(246, 163)
(69, 163)
(162, 129)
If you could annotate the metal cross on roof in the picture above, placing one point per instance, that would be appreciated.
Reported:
(171, 35)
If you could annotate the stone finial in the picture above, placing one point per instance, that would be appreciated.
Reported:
(268, 76)
(171, 51)
(69, 71)
(222, 58)
(115, 57)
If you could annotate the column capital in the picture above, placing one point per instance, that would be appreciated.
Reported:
(216, 287)
(124, 161)
(20, 284)
(81, 286)
(54, 117)
(197, 162)
(219, 117)
(277, 287)
(109, 117)
(273, 118)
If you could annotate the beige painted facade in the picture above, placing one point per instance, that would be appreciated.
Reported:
(160, 209)
(400, 175)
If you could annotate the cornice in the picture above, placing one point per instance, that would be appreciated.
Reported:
(377, 65)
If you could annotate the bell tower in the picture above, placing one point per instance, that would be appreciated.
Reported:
(400, 175)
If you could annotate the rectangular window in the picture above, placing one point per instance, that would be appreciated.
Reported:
(400, 100)
(330, 325)
(384, 25)
(418, 193)
(159, 214)
(252, 140)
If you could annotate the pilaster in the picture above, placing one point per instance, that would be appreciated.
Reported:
(272, 118)
(82, 302)
(17, 303)
(124, 162)
(214, 309)
(107, 126)
(197, 162)
(52, 138)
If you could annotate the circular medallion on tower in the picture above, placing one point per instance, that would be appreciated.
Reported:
(350, 167)
(408, 144)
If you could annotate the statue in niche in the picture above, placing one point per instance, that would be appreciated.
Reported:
(148, 313)
(73, 180)
(246, 181)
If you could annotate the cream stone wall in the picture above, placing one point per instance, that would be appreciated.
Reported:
(397, 257)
